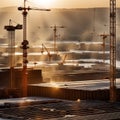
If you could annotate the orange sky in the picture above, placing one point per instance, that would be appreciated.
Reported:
(59, 3)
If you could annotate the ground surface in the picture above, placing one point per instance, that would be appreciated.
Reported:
(54, 109)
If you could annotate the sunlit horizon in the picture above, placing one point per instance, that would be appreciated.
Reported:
(58, 3)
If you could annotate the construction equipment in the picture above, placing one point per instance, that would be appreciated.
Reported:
(63, 61)
(104, 37)
(25, 46)
(55, 35)
(113, 50)
(11, 35)
(44, 47)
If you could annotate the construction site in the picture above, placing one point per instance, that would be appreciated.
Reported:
(61, 80)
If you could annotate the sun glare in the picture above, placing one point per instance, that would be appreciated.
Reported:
(54, 84)
(45, 3)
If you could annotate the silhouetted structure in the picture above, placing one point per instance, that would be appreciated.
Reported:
(112, 50)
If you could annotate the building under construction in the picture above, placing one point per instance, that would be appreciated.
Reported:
(62, 71)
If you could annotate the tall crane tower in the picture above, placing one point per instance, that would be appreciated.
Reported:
(24, 45)
(112, 50)
(11, 36)
(55, 35)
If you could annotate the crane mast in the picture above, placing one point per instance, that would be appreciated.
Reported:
(112, 50)
(55, 35)
(11, 35)
(24, 45)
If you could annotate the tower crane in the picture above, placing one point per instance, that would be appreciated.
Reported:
(104, 37)
(112, 50)
(55, 35)
(11, 36)
(24, 45)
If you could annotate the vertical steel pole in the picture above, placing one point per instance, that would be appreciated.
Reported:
(55, 37)
(113, 50)
(12, 57)
(24, 47)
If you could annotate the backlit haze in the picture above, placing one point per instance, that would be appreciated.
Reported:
(88, 24)
(59, 3)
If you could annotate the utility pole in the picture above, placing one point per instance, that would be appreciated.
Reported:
(25, 46)
(55, 35)
(11, 35)
(113, 50)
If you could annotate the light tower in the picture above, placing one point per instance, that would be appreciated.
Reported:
(112, 50)
(25, 46)
(55, 35)
(11, 35)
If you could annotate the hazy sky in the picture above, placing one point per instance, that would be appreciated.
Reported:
(58, 3)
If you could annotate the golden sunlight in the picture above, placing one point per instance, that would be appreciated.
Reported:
(54, 84)
(45, 3)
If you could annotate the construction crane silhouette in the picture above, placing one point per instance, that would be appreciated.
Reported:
(63, 60)
(104, 37)
(11, 36)
(55, 35)
(24, 45)
(48, 52)
(113, 96)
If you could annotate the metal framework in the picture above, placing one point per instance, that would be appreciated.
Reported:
(11, 35)
(55, 35)
(25, 46)
(112, 50)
